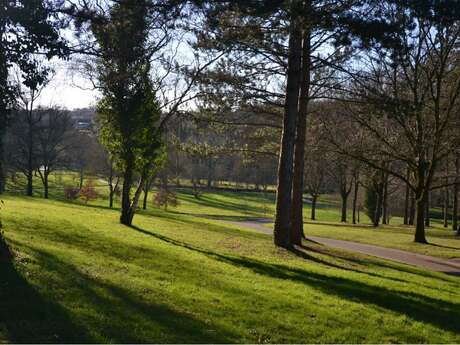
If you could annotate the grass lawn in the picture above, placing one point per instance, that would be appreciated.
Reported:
(80, 276)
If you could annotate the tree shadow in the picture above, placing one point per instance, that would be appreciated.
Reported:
(209, 201)
(340, 225)
(442, 246)
(419, 307)
(27, 317)
(133, 313)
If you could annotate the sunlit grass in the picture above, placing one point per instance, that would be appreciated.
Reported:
(80, 276)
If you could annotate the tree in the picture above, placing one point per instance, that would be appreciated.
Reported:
(406, 100)
(270, 40)
(53, 133)
(23, 153)
(128, 113)
(88, 191)
(21, 145)
(138, 100)
(374, 196)
(317, 159)
(27, 28)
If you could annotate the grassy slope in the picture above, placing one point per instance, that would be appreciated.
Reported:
(177, 277)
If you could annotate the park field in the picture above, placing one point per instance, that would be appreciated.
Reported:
(184, 275)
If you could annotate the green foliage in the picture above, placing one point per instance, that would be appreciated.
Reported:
(128, 113)
(139, 141)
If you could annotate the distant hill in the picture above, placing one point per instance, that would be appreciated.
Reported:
(83, 117)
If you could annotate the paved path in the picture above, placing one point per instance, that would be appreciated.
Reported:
(424, 261)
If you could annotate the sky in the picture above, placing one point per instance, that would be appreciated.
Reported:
(67, 90)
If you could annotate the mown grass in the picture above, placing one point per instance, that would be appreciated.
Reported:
(80, 276)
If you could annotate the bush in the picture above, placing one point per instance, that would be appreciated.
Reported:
(164, 198)
(88, 192)
(71, 193)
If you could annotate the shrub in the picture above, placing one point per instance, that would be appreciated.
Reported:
(88, 192)
(71, 193)
(164, 198)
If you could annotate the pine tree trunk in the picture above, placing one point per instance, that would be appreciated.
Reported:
(299, 155)
(282, 226)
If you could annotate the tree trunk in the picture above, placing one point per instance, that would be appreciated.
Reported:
(446, 207)
(147, 185)
(111, 189)
(146, 197)
(412, 209)
(455, 194)
(29, 187)
(344, 207)
(46, 183)
(285, 166)
(355, 197)
(299, 154)
(427, 210)
(313, 207)
(385, 214)
(378, 206)
(111, 192)
(30, 147)
(420, 218)
(210, 173)
(81, 178)
(406, 205)
(4, 107)
(125, 217)
(135, 201)
(2, 169)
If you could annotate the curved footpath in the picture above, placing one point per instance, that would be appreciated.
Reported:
(451, 267)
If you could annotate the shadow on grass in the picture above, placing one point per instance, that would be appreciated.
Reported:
(419, 307)
(208, 201)
(28, 317)
(340, 225)
(122, 315)
(442, 246)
